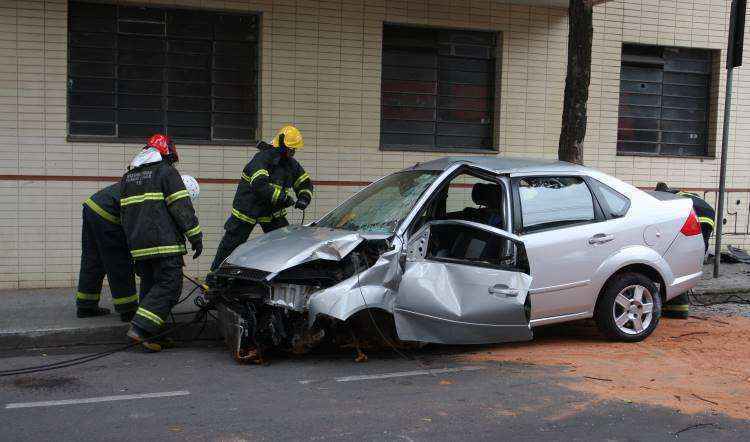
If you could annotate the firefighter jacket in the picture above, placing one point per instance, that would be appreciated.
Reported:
(267, 185)
(703, 210)
(156, 212)
(106, 203)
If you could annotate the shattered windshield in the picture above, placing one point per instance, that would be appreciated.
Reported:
(381, 207)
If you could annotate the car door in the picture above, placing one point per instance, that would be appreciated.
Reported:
(463, 283)
(566, 238)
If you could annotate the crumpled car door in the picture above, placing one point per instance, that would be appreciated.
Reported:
(463, 283)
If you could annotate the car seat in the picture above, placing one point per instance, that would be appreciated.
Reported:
(490, 199)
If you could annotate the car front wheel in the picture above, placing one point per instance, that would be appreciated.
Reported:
(629, 308)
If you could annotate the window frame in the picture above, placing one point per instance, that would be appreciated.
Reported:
(596, 186)
(412, 228)
(712, 77)
(517, 210)
(494, 95)
(255, 63)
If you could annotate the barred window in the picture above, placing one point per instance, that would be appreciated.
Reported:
(664, 100)
(438, 89)
(134, 71)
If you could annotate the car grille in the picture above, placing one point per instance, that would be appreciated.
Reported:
(243, 273)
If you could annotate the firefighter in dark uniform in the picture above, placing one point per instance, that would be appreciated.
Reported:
(267, 188)
(104, 251)
(679, 307)
(157, 215)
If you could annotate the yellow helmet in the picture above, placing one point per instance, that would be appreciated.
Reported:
(292, 137)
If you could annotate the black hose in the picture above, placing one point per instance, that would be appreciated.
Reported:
(88, 358)
(200, 314)
(187, 296)
(725, 299)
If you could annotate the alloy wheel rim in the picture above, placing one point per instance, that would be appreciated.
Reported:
(633, 309)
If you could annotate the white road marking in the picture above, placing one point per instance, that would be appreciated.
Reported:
(92, 400)
(400, 374)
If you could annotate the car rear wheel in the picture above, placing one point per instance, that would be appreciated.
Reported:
(629, 308)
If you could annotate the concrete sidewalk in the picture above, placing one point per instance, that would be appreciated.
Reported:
(35, 318)
(46, 317)
(734, 279)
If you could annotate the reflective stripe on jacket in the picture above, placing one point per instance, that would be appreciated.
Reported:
(106, 203)
(156, 211)
(703, 210)
(265, 183)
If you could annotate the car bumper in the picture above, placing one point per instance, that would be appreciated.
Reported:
(682, 284)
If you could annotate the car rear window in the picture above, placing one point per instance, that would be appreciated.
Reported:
(548, 202)
(614, 204)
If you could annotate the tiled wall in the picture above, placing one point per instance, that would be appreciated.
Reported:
(321, 71)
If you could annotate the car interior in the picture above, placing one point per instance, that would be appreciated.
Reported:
(469, 198)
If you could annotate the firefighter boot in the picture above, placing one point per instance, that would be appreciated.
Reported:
(678, 307)
(139, 336)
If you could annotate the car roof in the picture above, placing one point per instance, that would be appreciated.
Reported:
(500, 164)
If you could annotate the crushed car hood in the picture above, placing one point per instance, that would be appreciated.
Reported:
(290, 246)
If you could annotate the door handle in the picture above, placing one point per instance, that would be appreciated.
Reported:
(600, 238)
(504, 290)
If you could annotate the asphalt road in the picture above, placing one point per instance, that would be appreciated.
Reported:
(201, 394)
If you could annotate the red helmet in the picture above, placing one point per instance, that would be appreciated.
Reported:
(164, 145)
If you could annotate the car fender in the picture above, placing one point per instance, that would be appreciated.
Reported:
(374, 287)
(344, 304)
(636, 254)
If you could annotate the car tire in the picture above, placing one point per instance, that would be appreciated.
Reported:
(629, 308)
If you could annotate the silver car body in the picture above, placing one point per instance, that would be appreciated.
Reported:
(441, 301)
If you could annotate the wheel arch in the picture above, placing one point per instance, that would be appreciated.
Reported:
(643, 268)
(635, 258)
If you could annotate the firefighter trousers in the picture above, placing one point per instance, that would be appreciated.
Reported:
(104, 251)
(161, 287)
(237, 231)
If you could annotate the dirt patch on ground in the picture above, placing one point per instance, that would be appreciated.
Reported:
(695, 365)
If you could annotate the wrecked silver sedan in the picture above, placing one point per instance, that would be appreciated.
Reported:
(462, 251)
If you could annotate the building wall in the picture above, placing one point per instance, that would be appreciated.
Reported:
(320, 70)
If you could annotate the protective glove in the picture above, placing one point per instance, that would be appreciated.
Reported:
(301, 204)
(197, 247)
(288, 201)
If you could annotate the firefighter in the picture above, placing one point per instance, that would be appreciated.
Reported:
(679, 307)
(157, 215)
(104, 251)
(266, 189)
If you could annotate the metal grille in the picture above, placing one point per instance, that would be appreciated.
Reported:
(134, 71)
(243, 273)
(664, 101)
(437, 88)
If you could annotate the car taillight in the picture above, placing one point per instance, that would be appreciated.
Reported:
(691, 227)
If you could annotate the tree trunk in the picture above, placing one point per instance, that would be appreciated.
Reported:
(580, 34)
